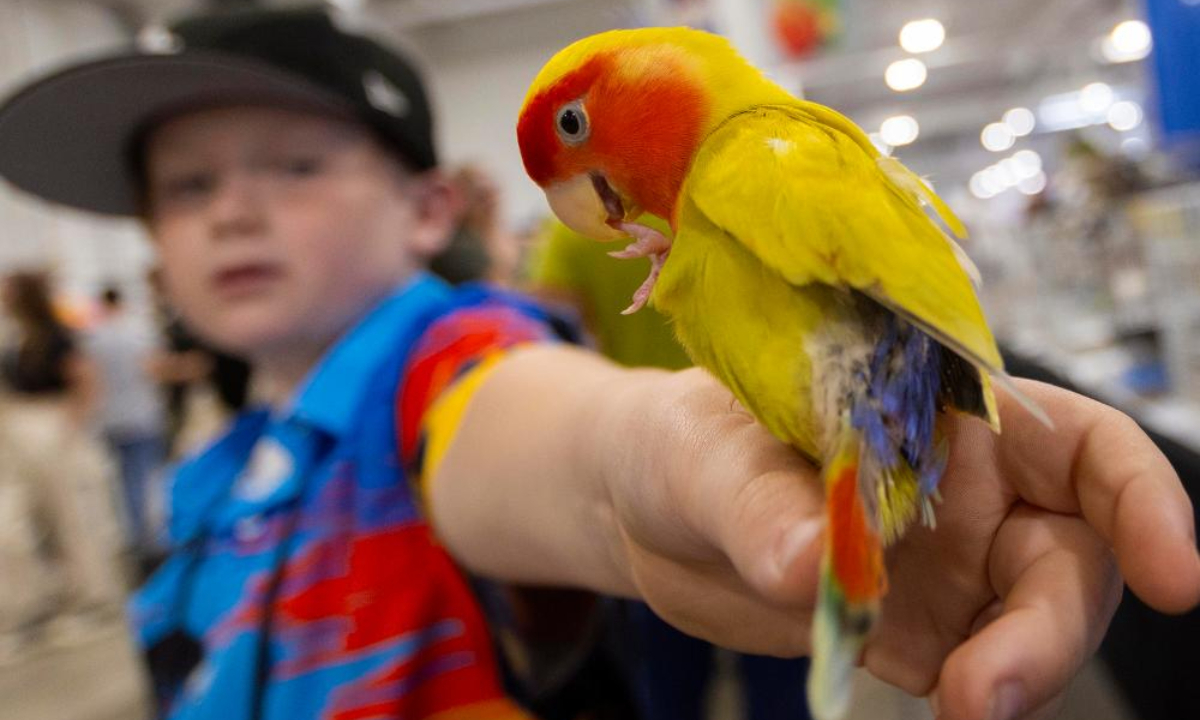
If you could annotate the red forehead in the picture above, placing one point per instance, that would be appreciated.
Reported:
(540, 146)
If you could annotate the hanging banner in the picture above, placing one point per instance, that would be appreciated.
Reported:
(1175, 27)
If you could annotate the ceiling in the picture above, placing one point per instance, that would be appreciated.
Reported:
(997, 54)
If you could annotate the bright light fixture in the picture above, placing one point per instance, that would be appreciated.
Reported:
(1027, 163)
(1095, 97)
(1020, 120)
(1128, 41)
(1009, 167)
(1003, 175)
(1062, 112)
(997, 137)
(880, 145)
(1125, 115)
(1135, 147)
(899, 130)
(905, 75)
(921, 36)
(1033, 185)
(981, 186)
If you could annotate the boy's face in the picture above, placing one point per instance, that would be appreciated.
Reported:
(277, 229)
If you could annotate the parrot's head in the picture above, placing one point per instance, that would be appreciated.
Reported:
(611, 124)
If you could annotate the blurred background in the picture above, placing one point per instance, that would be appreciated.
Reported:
(1066, 133)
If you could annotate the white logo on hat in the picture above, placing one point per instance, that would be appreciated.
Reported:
(158, 40)
(384, 95)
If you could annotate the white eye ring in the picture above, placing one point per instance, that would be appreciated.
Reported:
(571, 123)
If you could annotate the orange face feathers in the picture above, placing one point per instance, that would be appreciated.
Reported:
(612, 123)
(642, 128)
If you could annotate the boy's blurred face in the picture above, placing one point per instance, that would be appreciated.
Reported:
(278, 229)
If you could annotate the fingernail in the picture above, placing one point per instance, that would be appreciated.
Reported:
(1008, 701)
(795, 541)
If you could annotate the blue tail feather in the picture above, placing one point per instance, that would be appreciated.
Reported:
(896, 409)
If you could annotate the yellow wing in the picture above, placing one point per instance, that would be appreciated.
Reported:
(802, 188)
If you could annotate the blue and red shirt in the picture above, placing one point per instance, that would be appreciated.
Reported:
(299, 533)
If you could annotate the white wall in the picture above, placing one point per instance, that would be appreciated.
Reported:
(83, 251)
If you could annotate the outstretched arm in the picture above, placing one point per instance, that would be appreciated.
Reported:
(568, 470)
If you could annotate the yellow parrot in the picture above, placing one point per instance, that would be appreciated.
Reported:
(808, 273)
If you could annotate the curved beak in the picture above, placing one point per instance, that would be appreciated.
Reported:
(590, 206)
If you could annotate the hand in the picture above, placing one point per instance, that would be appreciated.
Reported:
(991, 614)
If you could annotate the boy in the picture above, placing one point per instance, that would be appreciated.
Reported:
(285, 170)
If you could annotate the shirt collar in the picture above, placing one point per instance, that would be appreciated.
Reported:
(333, 392)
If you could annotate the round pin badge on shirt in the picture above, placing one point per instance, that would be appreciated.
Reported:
(270, 465)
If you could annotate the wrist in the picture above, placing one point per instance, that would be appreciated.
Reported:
(621, 441)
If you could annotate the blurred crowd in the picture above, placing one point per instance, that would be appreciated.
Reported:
(93, 405)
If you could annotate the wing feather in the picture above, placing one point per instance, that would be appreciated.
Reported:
(802, 188)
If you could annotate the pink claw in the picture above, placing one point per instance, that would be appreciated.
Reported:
(648, 243)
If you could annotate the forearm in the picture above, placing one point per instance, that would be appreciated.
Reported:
(521, 493)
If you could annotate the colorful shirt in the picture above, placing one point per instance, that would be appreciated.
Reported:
(300, 533)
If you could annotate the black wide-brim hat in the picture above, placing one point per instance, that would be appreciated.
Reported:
(74, 136)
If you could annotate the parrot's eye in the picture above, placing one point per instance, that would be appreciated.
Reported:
(572, 123)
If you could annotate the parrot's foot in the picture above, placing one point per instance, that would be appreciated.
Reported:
(647, 243)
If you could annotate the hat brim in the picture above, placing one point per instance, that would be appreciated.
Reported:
(68, 137)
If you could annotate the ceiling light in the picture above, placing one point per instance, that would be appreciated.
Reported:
(1125, 115)
(1131, 37)
(1027, 163)
(1062, 112)
(904, 75)
(997, 137)
(899, 130)
(880, 145)
(921, 36)
(1135, 147)
(1095, 97)
(1033, 185)
(1020, 120)
(1003, 175)
(981, 187)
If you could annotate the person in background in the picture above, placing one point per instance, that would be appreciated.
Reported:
(43, 361)
(131, 415)
(671, 672)
(480, 247)
(52, 395)
(417, 441)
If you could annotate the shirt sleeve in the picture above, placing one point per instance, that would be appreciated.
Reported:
(447, 366)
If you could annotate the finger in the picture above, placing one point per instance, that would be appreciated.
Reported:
(709, 602)
(771, 528)
(745, 495)
(1060, 588)
(1049, 711)
(1120, 482)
